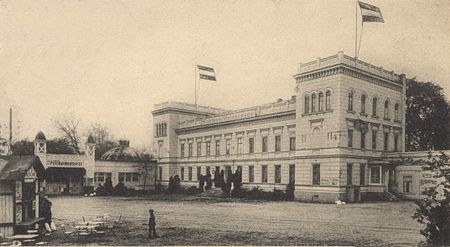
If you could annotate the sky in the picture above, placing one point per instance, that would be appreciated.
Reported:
(109, 62)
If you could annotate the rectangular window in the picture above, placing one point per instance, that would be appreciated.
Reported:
(292, 174)
(160, 173)
(208, 148)
(199, 149)
(264, 144)
(99, 177)
(182, 150)
(375, 175)
(199, 172)
(121, 177)
(227, 146)
(349, 174)
(363, 140)
(239, 145)
(217, 147)
(386, 141)
(396, 137)
(251, 174)
(217, 170)
(190, 173)
(190, 150)
(316, 174)
(128, 177)
(277, 174)
(277, 143)
(135, 177)
(350, 138)
(407, 184)
(374, 139)
(251, 145)
(292, 143)
(362, 174)
(208, 170)
(182, 173)
(264, 174)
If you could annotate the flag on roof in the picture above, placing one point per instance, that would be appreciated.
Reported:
(206, 73)
(370, 13)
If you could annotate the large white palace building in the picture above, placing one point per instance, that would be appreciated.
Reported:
(335, 139)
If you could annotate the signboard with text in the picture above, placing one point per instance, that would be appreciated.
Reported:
(65, 163)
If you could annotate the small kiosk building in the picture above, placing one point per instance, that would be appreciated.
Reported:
(20, 183)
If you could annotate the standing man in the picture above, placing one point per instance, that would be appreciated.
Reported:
(152, 225)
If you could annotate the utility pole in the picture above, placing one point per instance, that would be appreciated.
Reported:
(10, 132)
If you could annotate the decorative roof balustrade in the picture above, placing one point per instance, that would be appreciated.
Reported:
(341, 58)
(241, 114)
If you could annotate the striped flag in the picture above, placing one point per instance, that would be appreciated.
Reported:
(206, 73)
(370, 13)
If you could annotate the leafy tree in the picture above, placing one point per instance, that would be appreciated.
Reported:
(434, 209)
(427, 117)
(59, 146)
(22, 147)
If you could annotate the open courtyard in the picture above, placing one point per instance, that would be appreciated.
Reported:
(191, 220)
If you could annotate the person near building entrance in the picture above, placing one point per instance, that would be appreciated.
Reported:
(152, 225)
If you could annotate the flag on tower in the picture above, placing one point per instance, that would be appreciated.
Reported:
(370, 13)
(206, 73)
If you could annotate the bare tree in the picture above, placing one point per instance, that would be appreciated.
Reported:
(100, 134)
(104, 141)
(69, 126)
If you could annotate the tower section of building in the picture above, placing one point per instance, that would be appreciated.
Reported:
(350, 113)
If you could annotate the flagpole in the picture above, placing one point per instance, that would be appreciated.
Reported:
(356, 31)
(195, 86)
(360, 38)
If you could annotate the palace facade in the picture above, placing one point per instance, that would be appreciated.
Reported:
(336, 138)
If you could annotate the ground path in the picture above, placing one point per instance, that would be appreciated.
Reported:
(384, 223)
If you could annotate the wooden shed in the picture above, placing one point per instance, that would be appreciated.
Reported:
(20, 178)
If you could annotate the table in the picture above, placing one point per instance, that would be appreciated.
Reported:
(24, 236)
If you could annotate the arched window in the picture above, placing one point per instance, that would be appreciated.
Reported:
(374, 106)
(363, 103)
(313, 102)
(386, 109)
(396, 112)
(320, 101)
(306, 104)
(350, 101)
(328, 101)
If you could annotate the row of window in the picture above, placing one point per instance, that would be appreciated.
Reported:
(374, 106)
(101, 177)
(128, 176)
(239, 146)
(363, 135)
(318, 102)
(251, 173)
(160, 129)
(375, 174)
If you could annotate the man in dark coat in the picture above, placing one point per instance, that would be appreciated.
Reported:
(151, 225)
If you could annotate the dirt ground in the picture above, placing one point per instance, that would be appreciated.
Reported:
(192, 220)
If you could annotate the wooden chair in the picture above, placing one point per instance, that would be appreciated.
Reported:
(67, 234)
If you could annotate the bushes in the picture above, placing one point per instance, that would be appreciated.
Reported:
(257, 194)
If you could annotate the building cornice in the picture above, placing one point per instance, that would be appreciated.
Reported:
(344, 69)
(268, 116)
